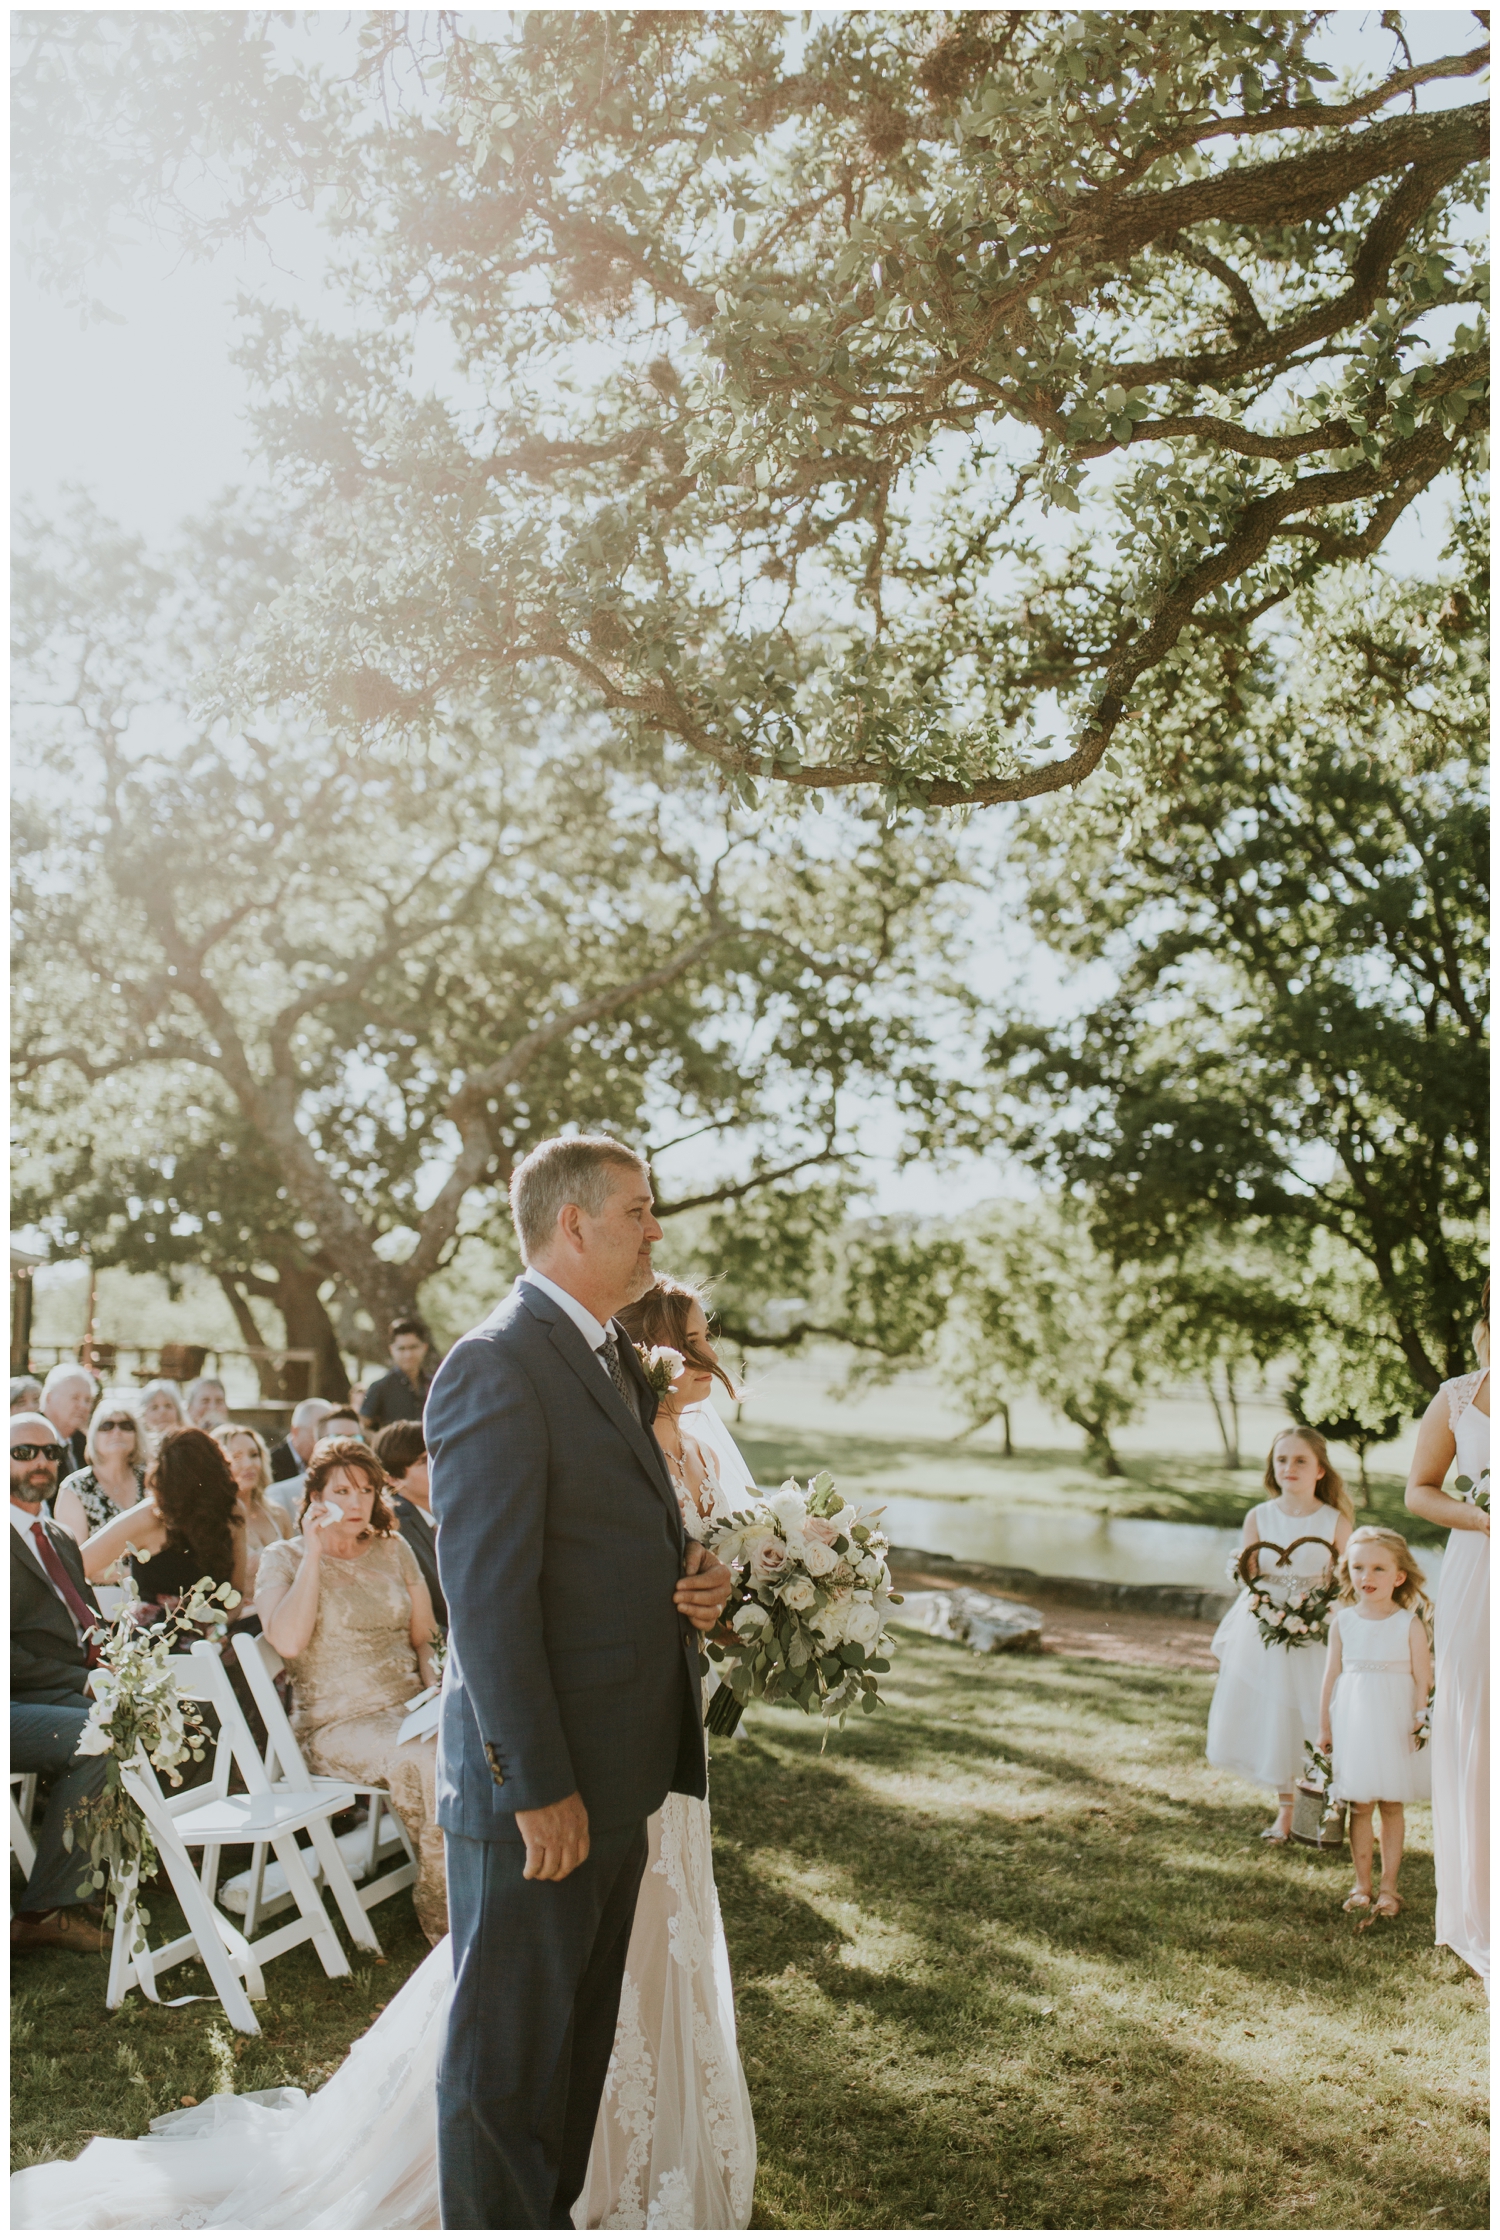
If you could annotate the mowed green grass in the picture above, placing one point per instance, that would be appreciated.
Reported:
(1005, 1954)
(1009, 1954)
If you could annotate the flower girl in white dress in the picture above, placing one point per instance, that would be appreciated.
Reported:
(674, 2146)
(1375, 1688)
(1265, 1703)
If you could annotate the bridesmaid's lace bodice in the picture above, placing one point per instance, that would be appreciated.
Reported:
(1471, 1430)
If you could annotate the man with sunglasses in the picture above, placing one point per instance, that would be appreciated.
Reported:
(52, 1609)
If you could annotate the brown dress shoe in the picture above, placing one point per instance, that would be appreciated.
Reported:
(69, 1926)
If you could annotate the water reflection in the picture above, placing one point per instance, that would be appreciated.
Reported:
(1071, 1543)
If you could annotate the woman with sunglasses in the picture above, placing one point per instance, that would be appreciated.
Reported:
(113, 1478)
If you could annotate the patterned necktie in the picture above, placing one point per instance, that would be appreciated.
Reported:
(610, 1354)
(52, 1563)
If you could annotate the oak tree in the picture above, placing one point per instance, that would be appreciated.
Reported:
(784, 349)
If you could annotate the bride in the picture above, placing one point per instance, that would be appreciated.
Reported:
(674, 2146)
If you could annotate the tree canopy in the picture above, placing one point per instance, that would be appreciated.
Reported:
(292, 1012)
(1294, 1033)
(785, 347)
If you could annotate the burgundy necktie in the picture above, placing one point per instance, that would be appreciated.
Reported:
(52, 1563)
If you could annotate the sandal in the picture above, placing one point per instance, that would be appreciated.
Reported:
(1357, 1900)
(1273, 1834)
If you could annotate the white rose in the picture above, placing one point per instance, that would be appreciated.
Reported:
(798, 1593)
(789, 1508)
(819, 1559)
(749, 1620)
(862, 1624)
(828, 1625)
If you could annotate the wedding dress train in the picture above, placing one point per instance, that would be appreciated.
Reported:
(674, 2146)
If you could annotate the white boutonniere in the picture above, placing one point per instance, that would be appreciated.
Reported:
(663, 1365)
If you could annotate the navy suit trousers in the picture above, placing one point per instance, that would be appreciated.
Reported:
(44, 1739)
(535, 2001)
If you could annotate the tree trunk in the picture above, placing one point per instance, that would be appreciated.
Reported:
(1097, 1448)
(1361, 1450)
(1008, 1449)
(1228, 1438)
(307, 1324)
(267, 1382)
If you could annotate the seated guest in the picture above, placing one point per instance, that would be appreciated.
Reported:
(289, 1456)
(187, 1528)
(67, 1402)
(403, 1457)
(52, 1610)
(401, 1394)
(345, 1605)
(161, 1410)
(206, 1403)
(341, 1423)
(250, 1467)
(114, 1476)
(25, 1395)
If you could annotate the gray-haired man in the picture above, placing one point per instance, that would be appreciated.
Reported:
(570, 1699)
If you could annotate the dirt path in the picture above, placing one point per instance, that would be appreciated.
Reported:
(1114, 1636)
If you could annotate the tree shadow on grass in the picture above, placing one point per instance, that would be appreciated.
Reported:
(908, 1978)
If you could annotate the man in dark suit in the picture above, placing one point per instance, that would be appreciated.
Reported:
(402, 1453)
(571, 1701)
(52, 1609)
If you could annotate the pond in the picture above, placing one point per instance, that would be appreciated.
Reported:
(1073, 1543)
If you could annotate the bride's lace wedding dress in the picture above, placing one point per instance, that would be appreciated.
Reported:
(674, 2146)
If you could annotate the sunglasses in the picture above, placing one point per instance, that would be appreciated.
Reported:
(115, 1423)
(29, 1454)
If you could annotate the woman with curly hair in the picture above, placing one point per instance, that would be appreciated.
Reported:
(188, 1527)
(345, 1604)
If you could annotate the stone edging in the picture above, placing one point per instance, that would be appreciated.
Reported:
(1088, 1594)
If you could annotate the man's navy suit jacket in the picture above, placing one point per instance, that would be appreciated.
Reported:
(560, 1545)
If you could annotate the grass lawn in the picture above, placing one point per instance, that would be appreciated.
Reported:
(1009, 1954)
(1006, 1954)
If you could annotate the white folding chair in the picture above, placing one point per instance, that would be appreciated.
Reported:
(262, 1888)
(22, 1806)
(207, 1818)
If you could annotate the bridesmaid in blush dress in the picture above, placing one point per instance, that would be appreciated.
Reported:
(1456, 1429)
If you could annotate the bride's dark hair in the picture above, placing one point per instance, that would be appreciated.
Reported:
(661, 1319)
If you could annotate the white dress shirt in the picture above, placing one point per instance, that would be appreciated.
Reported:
(22, 1520)
(594, 1331)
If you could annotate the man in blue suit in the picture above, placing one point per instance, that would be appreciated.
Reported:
(571, 1700)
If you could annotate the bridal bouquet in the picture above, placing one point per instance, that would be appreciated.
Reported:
(136, 1706)
(812, 1588)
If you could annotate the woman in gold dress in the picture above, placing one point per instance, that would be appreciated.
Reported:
(345, 1604)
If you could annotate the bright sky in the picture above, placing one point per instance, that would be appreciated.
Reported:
(148, 414)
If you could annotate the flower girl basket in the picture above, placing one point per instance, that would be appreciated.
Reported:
(1317, 1820)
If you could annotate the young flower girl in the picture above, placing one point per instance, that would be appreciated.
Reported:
(1266, 1698)
(1375, 1689)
